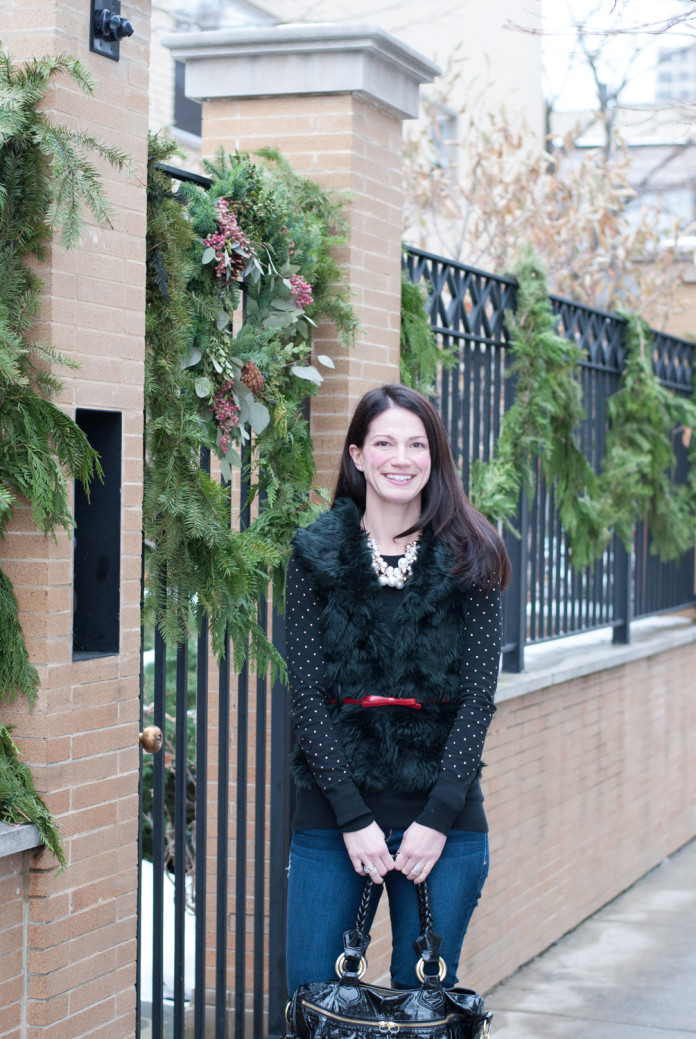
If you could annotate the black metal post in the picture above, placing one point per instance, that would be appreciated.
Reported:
(201, 827)
(222, 850)
(281, 813)
(180, 778)
(158, 807)
(623, 593)
(515, 599)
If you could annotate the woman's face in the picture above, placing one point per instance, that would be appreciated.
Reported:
(395, 458)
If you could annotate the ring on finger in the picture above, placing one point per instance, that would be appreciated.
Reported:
(417, 870)
(368, 867)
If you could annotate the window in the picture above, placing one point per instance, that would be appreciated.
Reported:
(187, 113)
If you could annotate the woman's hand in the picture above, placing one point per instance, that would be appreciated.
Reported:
(420, 849)
(369, 853)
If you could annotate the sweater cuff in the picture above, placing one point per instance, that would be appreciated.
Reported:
(349, 808)
(444, 804)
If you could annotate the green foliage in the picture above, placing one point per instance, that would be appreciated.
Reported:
(420, 355)
(19, 800)
(43, 167)
(538, 429)
(537, 436)
(234, 386)
(46, 183)
(637, 481)
(17, 673)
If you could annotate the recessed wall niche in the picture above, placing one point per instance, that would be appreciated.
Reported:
(97, 542)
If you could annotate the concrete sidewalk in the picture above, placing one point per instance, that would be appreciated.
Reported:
(628, 972)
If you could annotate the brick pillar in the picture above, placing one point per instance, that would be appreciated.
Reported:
(332, 99)
(81, 740)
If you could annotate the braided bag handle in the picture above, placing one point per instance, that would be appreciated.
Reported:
(352, 963)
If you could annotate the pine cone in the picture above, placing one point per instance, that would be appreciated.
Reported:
(252, 377)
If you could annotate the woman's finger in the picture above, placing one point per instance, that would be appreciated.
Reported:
(368, 852)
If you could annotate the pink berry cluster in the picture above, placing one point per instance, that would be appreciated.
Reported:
(226, 412)
(301, 290)
(230, 231)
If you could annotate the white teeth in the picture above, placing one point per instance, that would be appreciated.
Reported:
(398, 479)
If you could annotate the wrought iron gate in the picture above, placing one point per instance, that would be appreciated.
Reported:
(214, 837)
(216, 831)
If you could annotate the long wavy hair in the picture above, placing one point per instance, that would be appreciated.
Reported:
(479, 553)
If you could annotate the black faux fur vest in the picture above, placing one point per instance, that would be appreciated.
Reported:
(388, 747)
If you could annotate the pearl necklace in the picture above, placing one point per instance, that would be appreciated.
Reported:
(393, 576)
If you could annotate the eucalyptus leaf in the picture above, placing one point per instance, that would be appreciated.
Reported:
(232, 455)
(259, 416)
(279, 320)
(244, 406)
(283, 304)
(216, 365)
(223, 320)
(308, 372)
(225, 470)
(208, 255)
(193, 358)
(204, 386)
(326, 361)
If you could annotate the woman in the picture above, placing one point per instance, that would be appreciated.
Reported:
(393, 635)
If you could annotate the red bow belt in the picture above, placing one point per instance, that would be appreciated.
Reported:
(385, 701)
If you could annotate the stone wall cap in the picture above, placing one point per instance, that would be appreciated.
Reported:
(578, 656)
(16, 838)
(302, 59)
(317, 36)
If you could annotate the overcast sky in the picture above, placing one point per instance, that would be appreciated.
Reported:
(569, 80)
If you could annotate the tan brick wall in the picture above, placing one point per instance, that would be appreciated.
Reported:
(81, 740)
(349, 143)
(14, 898)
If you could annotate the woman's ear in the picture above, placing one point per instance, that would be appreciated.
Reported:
(356, 455)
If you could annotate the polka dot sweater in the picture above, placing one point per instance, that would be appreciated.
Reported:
(455, 801)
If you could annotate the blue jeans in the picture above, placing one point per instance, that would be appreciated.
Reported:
(324, 892)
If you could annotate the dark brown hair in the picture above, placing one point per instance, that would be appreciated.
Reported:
(478, 549)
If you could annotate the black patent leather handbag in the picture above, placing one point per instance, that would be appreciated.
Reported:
(349, 1009)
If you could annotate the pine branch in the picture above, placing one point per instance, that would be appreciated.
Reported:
(19, 799)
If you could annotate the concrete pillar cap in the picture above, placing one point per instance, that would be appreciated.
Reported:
(303, 59)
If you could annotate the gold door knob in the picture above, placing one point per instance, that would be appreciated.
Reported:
(151, 739)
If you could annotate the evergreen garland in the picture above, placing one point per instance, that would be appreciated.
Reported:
(421, 357)
(19, 799)
(538, 431)
(45, 184)
(637, 479)
(537, 436)
(237, 389)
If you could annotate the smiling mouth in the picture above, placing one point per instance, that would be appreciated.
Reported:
(396, 478)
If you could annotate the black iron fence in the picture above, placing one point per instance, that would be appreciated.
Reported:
(548, 599)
